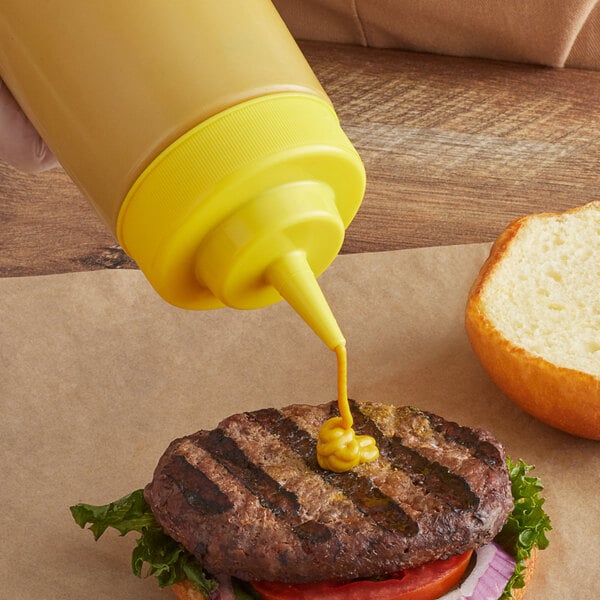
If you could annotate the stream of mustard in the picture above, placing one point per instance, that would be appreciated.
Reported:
(339, 449)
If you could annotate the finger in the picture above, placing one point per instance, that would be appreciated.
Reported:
(20, 144)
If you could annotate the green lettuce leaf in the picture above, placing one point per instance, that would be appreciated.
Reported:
(155, 552)
(130, 513)
(526, 526)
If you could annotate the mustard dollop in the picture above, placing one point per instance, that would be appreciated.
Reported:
(339, 449)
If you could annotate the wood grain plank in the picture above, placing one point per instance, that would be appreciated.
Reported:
(454, 149)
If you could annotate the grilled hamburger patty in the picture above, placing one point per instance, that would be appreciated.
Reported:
(248, 498)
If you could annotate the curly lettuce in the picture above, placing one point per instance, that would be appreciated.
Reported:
(526, 526)
(155, 552)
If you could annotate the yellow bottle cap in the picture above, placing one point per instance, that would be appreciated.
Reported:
(249, 206)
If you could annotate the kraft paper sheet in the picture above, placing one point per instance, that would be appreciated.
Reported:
(98, 375)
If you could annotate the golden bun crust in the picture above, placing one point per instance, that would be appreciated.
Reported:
(565, 398)
(519, 593)
(185, 591)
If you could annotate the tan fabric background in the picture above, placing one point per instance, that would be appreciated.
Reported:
(556, 33)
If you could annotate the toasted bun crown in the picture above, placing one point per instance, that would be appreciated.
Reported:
(533, 317)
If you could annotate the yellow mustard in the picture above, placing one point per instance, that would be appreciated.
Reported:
(339, 449)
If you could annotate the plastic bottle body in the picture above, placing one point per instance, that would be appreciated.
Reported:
(110, 84)
(201, 135)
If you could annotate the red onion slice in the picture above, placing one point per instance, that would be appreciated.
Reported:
(493, 568)
(225, 589)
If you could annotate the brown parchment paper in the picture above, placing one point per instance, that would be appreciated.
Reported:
(98, 375)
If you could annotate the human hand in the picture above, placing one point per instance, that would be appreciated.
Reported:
(20, 144)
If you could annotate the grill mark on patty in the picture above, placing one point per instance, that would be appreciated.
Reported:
(433, 477)
(270, 494)
(367, 498)
(201, 493)
(468, 438)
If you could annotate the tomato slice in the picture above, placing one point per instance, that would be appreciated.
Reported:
(427, 582)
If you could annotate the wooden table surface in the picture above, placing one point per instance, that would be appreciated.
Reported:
(454, 149)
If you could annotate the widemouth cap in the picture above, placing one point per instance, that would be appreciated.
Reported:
(271, 177)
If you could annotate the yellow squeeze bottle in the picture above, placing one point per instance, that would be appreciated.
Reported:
(201, 135)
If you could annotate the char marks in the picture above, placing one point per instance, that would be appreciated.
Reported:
(367, 498)
(431, 476)
(269, 492)
(434, 478)
(202, 494)
(482, 450)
